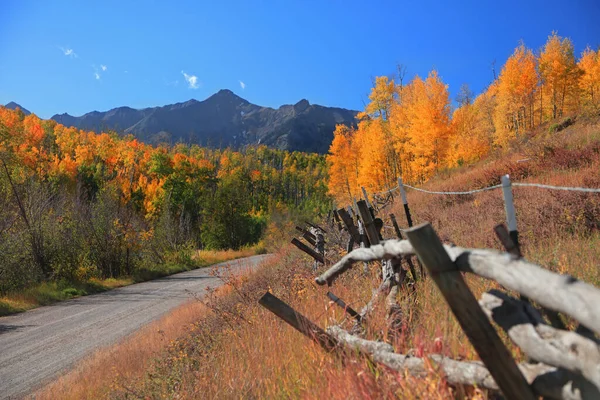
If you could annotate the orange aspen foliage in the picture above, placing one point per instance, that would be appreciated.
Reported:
(470, 135)
(516, 90)
(381, 99)
(372, 170)
(560, 76)
(343, 165)
(589, 84)
(427, 109)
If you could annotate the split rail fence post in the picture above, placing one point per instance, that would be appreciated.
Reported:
(405, 202)
(347, 220)
(349, 310)
(318, 257)
(297, 321)
(367, 218)
(509, 207)
(363, 242)
(411, 266)
(468, 312)
(310, 238)
(369, 205)
(409, 220)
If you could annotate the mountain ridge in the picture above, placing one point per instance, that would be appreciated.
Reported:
(224, 119)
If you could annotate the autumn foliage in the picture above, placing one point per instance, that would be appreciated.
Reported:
(76, 204)
(412, 130)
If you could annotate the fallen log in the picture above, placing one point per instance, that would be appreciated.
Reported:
(544, 380)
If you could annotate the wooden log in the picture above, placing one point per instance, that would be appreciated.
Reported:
(366, 196)
(297, 321)
(366, 217)
(411, 266)
(549, 382)
(561, 293)
(349, 310)
(316, 226)
(405, 202)
(543, 343)
(318, 257)
(308, 236)
(468, 313)
(352, 229)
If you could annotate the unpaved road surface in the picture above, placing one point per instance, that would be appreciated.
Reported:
(36, 346)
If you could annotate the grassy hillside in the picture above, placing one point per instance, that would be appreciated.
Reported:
(235, 349)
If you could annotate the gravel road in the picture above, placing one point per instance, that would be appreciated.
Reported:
(36, 346)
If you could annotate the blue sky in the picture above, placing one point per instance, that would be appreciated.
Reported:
(80, 56)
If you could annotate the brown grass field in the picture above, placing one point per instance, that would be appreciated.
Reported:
(230, 347)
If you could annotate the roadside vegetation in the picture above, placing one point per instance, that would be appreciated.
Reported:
(47, 293)
(82, 212)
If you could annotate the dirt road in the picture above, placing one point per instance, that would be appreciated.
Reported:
(38, 345)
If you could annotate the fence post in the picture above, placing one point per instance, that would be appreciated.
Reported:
(509, 207)
(363, 242)
(408, 260)
(369, 205)
(318, 257)
(405, 202)
(367, 218)
(297, 321)
(349, 310)
(469, 314)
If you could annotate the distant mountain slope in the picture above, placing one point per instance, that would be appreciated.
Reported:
(224, 119)
(13, 106)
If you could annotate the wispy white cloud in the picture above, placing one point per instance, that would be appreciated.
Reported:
(192, 80)
(97, 76)
(68, 52)
(242, 85)
(103, 67)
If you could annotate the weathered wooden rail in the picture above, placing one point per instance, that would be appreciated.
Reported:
(562, 364)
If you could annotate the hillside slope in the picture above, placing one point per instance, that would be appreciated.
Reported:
(229, 350)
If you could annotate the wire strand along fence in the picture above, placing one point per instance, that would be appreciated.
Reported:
(562, 364)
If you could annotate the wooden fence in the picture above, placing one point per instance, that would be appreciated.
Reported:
(562, 364)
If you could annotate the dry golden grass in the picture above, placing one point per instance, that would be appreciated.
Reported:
(210, 257)
(236, 349)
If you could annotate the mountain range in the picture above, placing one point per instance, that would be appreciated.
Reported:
(224, 119)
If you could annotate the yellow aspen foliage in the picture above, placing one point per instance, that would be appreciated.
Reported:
(559, 76)
(589, 63)
(373, 173)
(343, 165)
(381, 98)
(516, 89)
(427, 109)
(470, 134)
